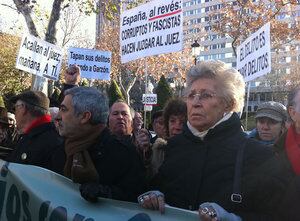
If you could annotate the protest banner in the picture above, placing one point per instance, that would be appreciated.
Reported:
(254, 54)
(94, 64)
(149, 99)
(33, 193)
(39, 57)
(150, 29)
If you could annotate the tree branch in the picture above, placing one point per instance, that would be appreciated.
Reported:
(25, 10)
(9, 6)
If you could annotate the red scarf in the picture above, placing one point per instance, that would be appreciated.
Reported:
(292, 144)
(37, 122)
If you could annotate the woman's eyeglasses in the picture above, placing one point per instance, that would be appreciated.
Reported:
(200, 96)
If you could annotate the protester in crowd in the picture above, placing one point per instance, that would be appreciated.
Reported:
(157, 122)
(212, 164)
(120, 123)
(120, 119)
(5, 136)
(12, 129)
(53, 113)
(174, 115)
(103, 165)
(11, 119)
(288, 149)
(72, 79)
(137, 122)
(270, 122)
(39, 144)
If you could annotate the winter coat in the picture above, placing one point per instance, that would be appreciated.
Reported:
(42, 147)
(289, 207)
(119, 167)
(197, 171)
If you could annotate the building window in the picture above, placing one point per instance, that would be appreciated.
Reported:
(228, 55)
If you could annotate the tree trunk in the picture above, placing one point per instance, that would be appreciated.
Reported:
(51, 29)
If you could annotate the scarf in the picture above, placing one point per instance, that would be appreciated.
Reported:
(292, 144)
(37, 122)
(79, 166)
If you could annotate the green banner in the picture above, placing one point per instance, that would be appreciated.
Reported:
(30, 193)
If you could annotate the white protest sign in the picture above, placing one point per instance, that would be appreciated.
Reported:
(149, 99)
(254, 54)
(94, 64)
(39, 57)
(151, 29)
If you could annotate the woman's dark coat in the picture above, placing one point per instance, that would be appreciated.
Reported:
(196, 171)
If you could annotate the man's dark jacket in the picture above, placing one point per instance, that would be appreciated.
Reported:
(42, 147)
(119, 167)
(290, 205)
(196, 171)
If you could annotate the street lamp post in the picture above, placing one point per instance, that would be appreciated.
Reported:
(195, 50)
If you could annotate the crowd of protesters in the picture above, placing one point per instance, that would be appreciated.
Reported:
(200, 158)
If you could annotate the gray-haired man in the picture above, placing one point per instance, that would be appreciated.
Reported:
(103, 165)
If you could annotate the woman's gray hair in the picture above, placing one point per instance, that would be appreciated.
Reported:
(230, 81)
(89, 99)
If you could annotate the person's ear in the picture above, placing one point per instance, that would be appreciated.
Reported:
(85, 117)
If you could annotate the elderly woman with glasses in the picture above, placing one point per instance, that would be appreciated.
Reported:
(211, 166)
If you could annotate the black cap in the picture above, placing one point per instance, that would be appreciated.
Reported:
(35, 98)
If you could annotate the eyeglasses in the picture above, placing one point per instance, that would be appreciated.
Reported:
(200, 96)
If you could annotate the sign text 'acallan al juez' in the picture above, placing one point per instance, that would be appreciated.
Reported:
(151, 29)
(94, 64)
(39, 57)
(254, 54)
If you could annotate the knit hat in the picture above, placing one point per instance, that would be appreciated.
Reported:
(35, 98)
(273, 110)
